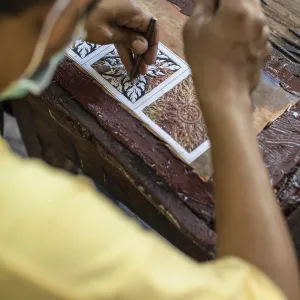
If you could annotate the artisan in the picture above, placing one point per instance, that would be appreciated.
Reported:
(60, 239)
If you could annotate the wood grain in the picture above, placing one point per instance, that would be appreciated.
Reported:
(131, 132)
(280, 144)
(57, 129)
(170, 21)
(283, 14)
(115, 149)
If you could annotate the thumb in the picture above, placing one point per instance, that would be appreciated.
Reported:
(130, 39)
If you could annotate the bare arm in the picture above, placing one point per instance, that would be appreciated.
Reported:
(233, 44)
(249, 222)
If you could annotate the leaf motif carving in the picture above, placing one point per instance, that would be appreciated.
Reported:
(83, 49)
(134, 93)
(111, 68)
(77, 43)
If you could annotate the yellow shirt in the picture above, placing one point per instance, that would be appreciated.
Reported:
(60, 239)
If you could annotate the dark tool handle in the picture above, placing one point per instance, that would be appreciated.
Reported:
(139, 58)
(296, 34)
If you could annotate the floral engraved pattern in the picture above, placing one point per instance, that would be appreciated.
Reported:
(111, 68)
(84, 49)
(178, 113)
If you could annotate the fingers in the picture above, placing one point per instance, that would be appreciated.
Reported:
(151, 53)
(134, 18)
(130, 39)
(235, 12)
(143, 70)
(129, 42)
(262, 53)
(124, 24)
(264, 36)
(264, 44)
(242, 20)
(137, 21)
(126, 57)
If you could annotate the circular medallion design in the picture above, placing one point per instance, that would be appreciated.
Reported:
(189, 113)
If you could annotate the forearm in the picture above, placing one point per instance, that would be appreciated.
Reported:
(249, 222)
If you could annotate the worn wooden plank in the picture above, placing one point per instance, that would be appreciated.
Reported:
(70, 132)
(280, 144)
(282, 14)
(131, 132)
(187, 201)
(170, 22)
(185, 6)
(62, 129)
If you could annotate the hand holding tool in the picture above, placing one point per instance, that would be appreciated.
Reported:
(139, 58)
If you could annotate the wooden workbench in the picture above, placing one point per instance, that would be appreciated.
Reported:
(78, 127)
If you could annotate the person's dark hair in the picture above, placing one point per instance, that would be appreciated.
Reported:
(13, 7)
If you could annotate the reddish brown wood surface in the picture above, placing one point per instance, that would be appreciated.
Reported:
(282, 14)
(118, 152)
(195, 193)
(131, 132)
(280, 144)
(170, 21)
(56, 129)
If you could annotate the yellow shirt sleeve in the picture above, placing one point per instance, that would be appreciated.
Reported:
(59, 239)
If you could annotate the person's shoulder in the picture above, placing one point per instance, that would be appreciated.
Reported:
(44, 210)
(24, 179)
(4, 149)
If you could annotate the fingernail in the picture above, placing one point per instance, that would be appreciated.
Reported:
(139, 46)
